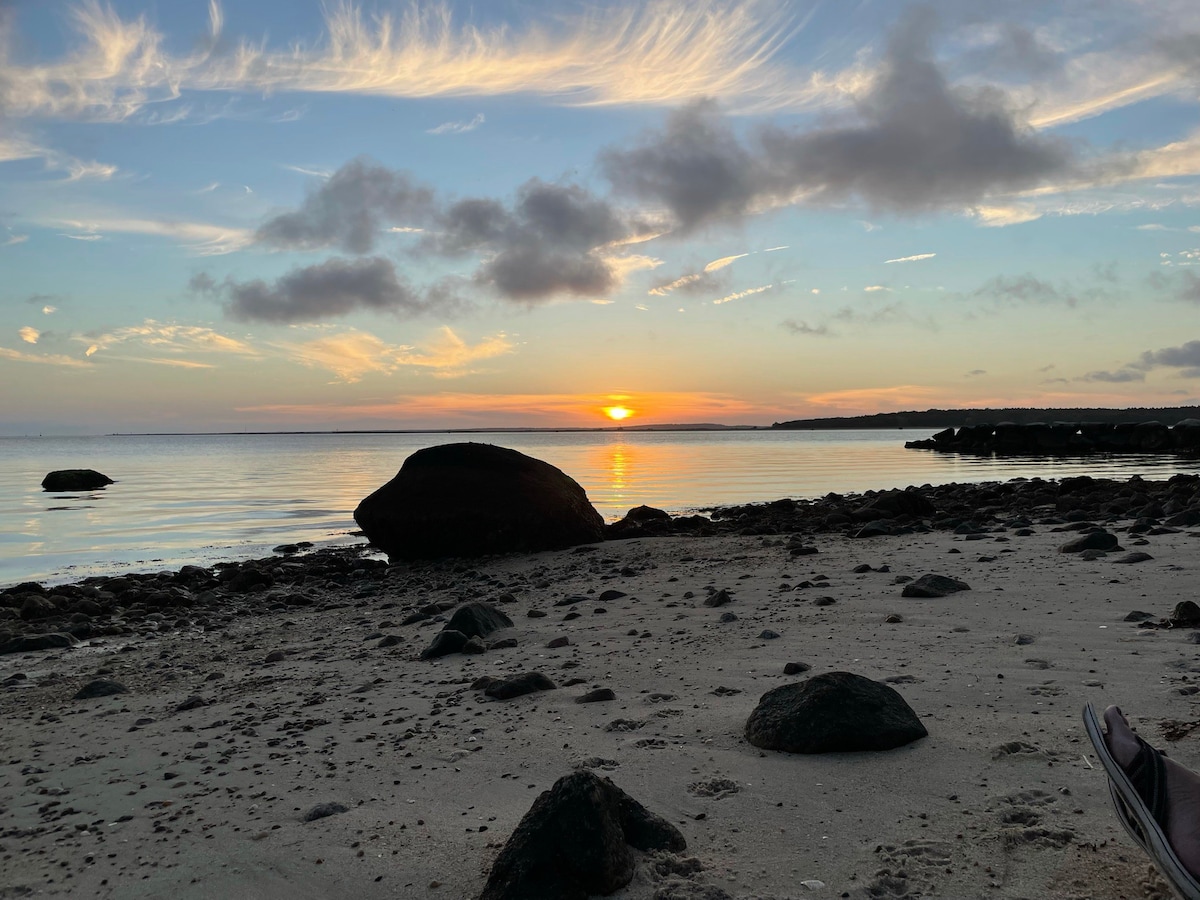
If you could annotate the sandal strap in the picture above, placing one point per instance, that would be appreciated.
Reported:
(1149, 777)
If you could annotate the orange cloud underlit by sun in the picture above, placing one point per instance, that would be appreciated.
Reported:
(617, 413)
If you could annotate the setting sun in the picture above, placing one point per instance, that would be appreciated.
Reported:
(617, 413)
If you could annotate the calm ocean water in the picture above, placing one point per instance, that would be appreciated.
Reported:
(204, 498)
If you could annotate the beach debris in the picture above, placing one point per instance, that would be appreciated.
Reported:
(473, 499)
(100, 687)
(478, 619)
(75, 480)
(1092, 540)
(833, 712)
(577, 840)
(934, 586)
(517, 685)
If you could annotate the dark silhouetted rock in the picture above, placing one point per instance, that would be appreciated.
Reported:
(795, 668)
(1138, 616)
(877, 528)
(101, 687)
(576, 841)
(28, 643)
(444, 643)
(525, 683)
(835, 712)
(1093, 540)
(478, 620)
(75, 480)
(476, 499)
(934, 586)
(647, 514)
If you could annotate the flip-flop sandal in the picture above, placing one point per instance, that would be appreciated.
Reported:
(1140, 799)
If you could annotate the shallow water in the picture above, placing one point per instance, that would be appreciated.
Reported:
(201, 498)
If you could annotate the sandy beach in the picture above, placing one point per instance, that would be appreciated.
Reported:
(195, 782)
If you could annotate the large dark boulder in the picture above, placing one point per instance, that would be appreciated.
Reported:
(476, 499)
(27, 643)
(1093, 540)
(477, 619)
(836, 712)
(75, 480)
(577, 841)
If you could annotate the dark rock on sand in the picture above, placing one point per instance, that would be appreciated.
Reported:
(324, 811)
(934, 586)
(1093, 540)
(29, 642)
(101, 687)
(597, 696)
(1135, 556)
(1185, 615)
(576, 841)
(75, 480)
(835, 712)
(1137, 616)
(444, 643)
(795, 668)
(718, 598)
(525, 683)
(475, 499)
(478, 619)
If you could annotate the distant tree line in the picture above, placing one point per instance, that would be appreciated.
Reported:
(957, 418)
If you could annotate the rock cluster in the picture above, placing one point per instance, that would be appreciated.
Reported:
(1066, 438)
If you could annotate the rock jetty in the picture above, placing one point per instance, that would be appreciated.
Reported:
(1066, 438)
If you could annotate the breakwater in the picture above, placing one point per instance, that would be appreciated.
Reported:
(1066, 438)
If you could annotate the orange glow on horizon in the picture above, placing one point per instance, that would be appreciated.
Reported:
(618, 413)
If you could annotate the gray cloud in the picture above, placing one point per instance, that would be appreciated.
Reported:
(1184, 356)
(1017, 50)
(1118, 377)
(1007, 289)
(695, 166)
(335, 287)
(349, 209)
(803, 328)
(549, 243)
(919, 145)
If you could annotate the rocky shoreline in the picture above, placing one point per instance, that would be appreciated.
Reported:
(195, 596)
(1066, 438)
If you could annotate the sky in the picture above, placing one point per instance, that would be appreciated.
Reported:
(283, 214)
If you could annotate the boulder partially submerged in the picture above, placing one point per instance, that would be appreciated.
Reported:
(476, 499)
(75, 480)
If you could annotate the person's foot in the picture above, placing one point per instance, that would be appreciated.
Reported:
(1183, 791)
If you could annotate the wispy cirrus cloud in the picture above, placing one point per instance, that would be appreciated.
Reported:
(658, 53)
(915, 258)
(45, 359)
(167, 336)
(458, 127)
(199, 238)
